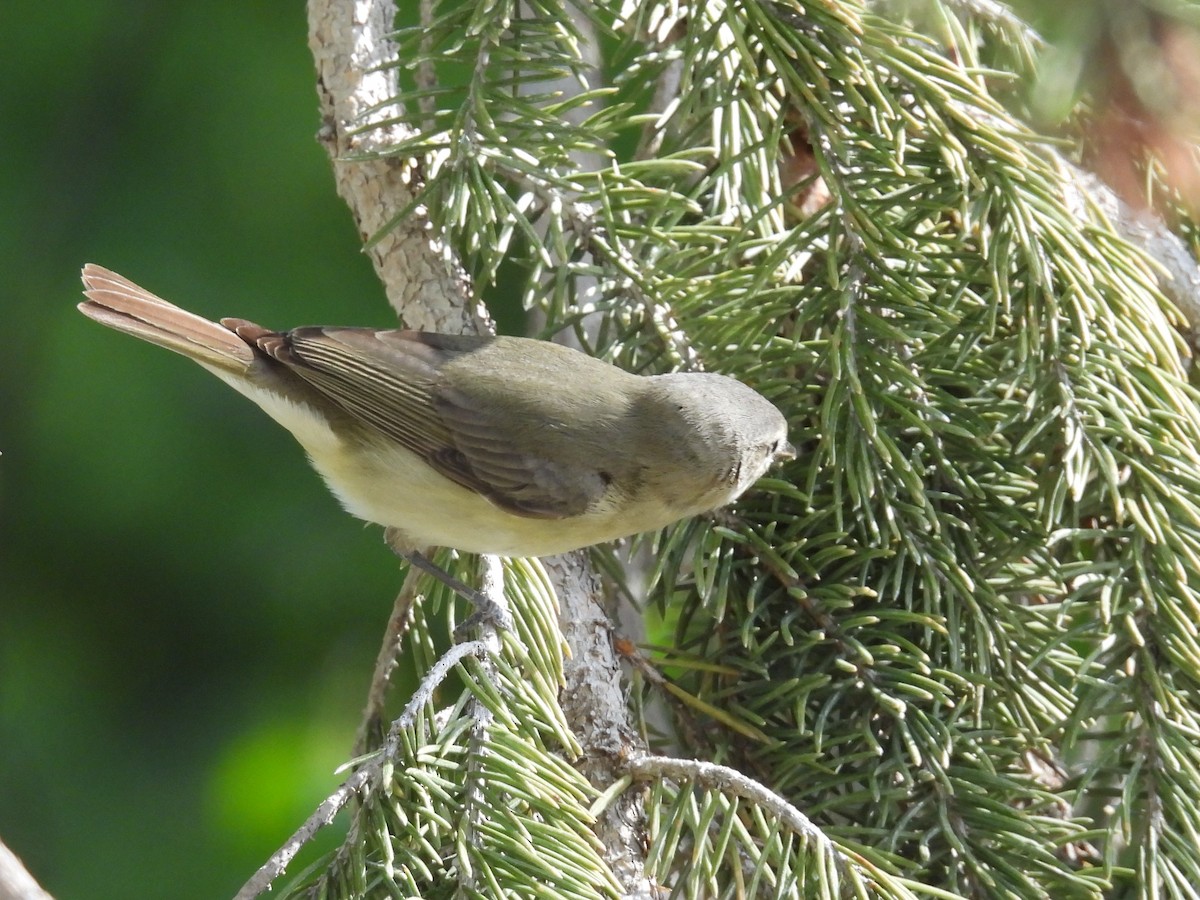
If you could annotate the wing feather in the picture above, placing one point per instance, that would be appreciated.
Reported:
(393, 382)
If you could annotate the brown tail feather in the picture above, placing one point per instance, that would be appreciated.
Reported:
(117, 302)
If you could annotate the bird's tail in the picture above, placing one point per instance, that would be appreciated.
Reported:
(117, 302)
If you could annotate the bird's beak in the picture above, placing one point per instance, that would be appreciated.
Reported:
(784, 453)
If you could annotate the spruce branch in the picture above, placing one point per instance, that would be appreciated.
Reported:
(367, 777)
(473, 815)
(1180, 271)
(731, 781)
(838, 867)
(261, 881)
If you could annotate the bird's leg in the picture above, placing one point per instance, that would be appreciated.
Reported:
(486, 610)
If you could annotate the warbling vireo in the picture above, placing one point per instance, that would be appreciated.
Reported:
(499, 445)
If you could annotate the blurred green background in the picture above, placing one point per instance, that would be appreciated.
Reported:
(187, 621)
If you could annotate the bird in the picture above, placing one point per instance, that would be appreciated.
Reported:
(485, 444)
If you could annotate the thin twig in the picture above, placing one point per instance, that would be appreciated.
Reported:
(363, 778)
(491, 584)
(730, 781)
(371, 728)
(324, 814)
(435, 676)
(711, 776)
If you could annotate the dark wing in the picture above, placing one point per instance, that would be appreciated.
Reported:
(492, 454)
(392, 381)
(385, 384)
